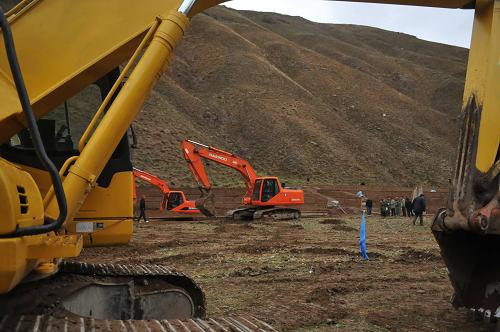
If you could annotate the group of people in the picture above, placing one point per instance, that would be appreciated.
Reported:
(396, 206)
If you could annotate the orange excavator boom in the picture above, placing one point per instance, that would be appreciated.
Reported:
(194, 152)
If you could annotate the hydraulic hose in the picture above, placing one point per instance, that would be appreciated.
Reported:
(49, 224)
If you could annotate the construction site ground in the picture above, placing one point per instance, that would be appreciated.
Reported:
(306, 275)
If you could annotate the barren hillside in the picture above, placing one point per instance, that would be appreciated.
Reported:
(332, 103)
(305, 100)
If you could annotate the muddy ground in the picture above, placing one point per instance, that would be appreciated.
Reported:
(307, 275)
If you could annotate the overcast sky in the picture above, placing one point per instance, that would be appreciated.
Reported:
(448, 26)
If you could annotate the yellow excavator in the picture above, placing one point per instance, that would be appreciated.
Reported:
(55, 198)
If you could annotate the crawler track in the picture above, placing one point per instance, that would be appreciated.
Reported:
(44, 323)
(253, 213)
(110, 292)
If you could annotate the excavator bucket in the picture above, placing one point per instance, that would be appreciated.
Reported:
(473, 262)
(206, 204)
(468, 230)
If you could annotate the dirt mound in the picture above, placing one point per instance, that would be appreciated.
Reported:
(259, 247)
(332, 222)
(343, 228)
(322, 251)
(410, 256)
(252, 272)
(330, 297)
(321, 293)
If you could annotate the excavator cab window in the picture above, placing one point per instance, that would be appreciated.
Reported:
(256, 190)
(55, 131)
(164, 201)
(270, 189)
(61, 130)
(174, 200)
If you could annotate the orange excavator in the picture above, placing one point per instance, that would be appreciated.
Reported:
(264, 197)
(173, 201)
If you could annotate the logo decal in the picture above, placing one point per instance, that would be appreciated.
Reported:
(217, 157)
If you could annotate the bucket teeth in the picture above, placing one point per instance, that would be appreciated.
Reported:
(485, 315)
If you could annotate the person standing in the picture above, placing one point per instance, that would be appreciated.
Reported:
(419, 209)
(403, 206)
(142, 208)
(409, 207)
(369, 206)
(398, 206)
(392, 205)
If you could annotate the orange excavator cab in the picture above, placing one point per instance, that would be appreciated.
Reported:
(176, 201)
(268, 191)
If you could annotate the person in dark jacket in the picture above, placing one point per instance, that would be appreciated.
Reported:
(409, 207)
(369, 206)
(142, 208)
(384, 208)
(419, 209)
(392, 205)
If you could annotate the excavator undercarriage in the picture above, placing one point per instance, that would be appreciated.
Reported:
(271, 212)
(106, 291)
(107, 297)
